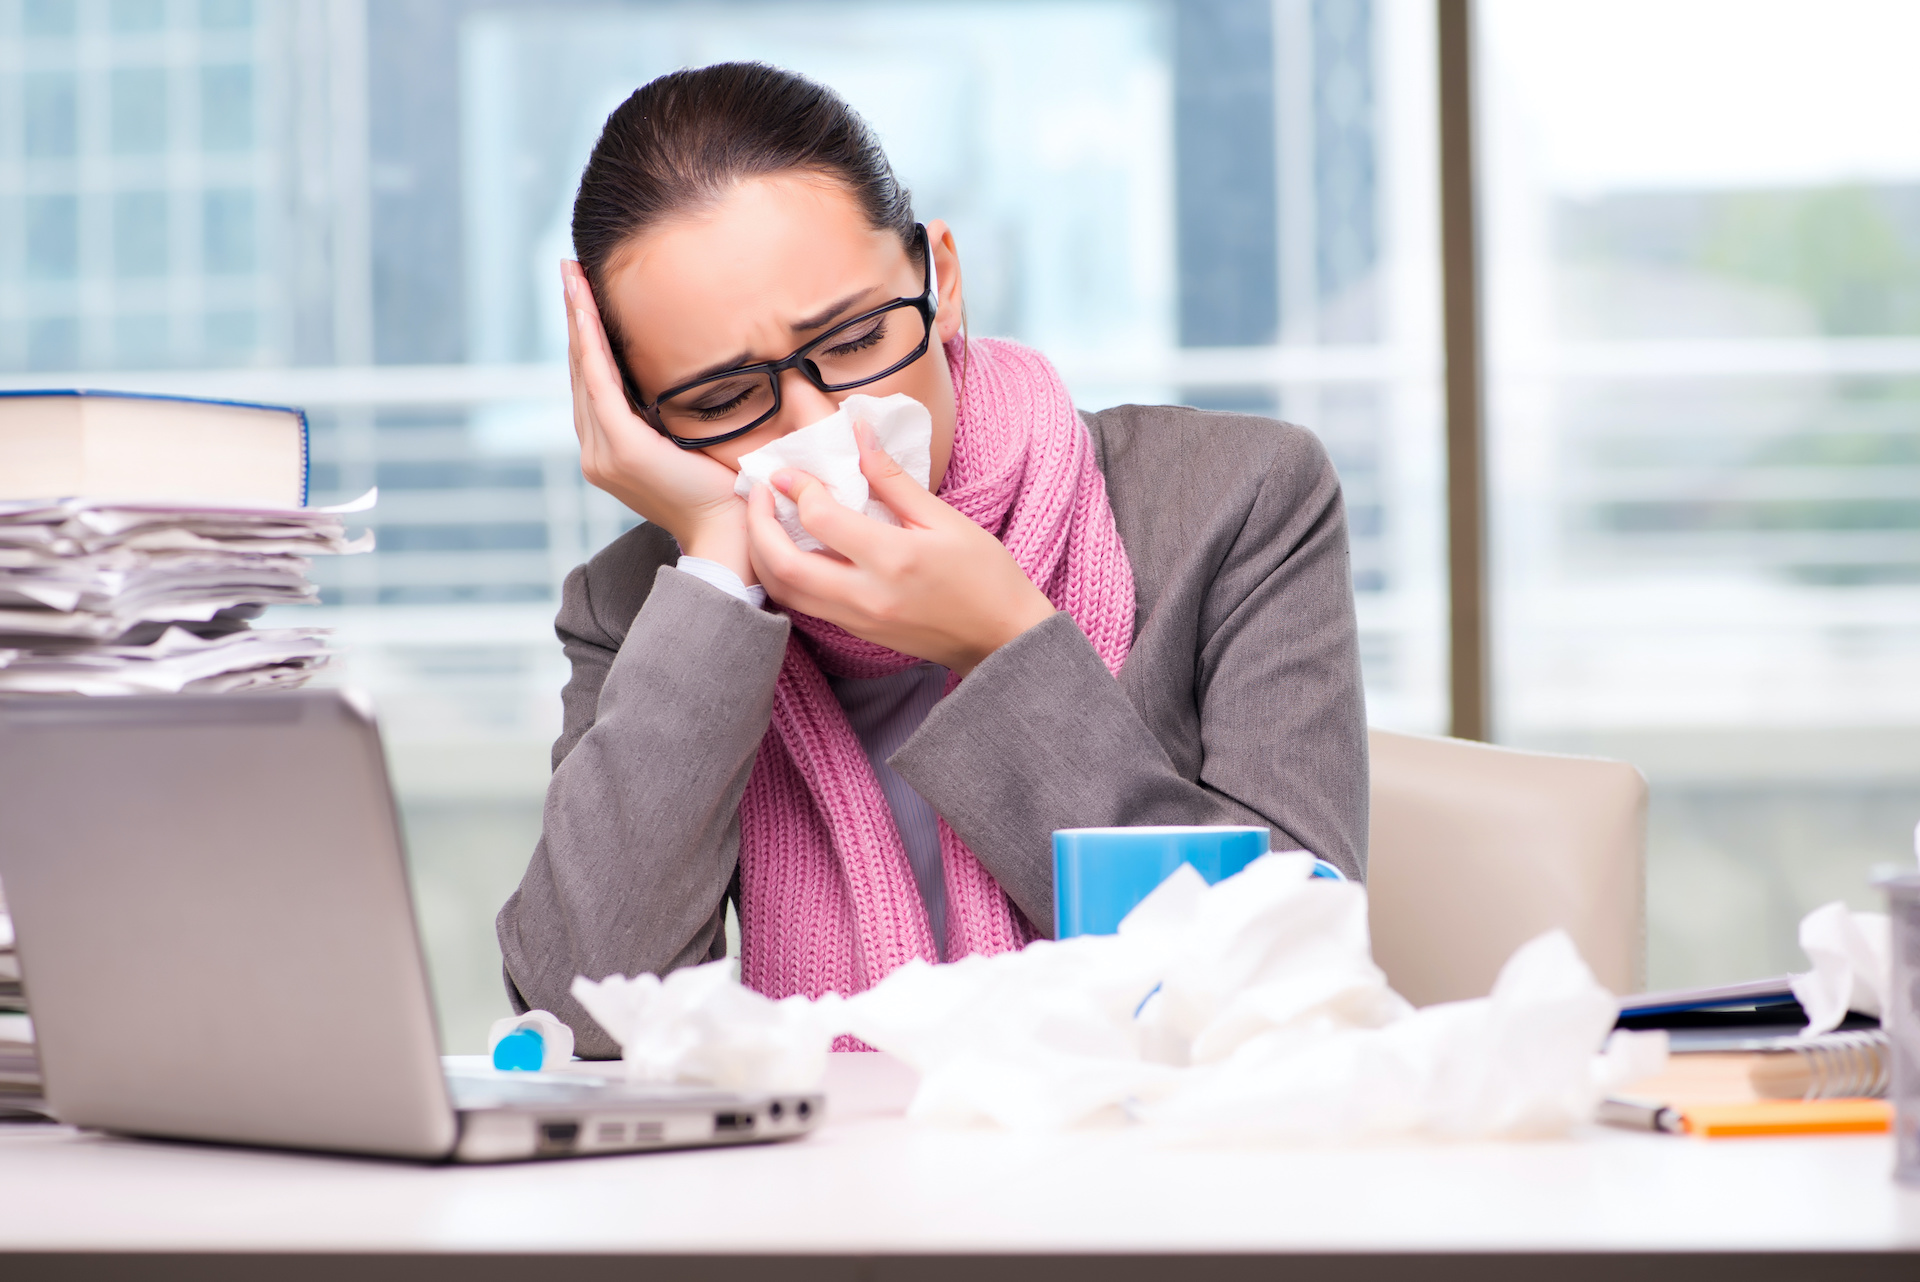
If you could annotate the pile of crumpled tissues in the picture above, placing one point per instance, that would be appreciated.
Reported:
(1251, 1009)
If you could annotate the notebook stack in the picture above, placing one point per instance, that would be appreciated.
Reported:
(1742, 1064)
(192, 521)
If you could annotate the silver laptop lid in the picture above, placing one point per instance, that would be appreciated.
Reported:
(214, 921)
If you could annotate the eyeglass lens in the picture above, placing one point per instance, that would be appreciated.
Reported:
(860, 350)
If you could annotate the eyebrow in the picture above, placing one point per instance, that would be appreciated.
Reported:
(820, 320)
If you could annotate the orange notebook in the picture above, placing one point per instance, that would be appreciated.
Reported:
(1789, 1117)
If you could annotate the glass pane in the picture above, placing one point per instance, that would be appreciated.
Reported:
(48, 102)
(139, 110)
(1226, 203)
(1703, 264)
(140, 233)
(226, 108)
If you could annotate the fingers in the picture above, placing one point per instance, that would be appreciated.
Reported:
(591, 358)
(854, 535)
(890, 483)
(797, 579)
(573, 328)
(574, 378)
(599, 375)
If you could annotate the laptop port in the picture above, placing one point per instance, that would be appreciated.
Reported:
(559, 1137)
(775, 1110)
(732, 1122)
(804, 1109)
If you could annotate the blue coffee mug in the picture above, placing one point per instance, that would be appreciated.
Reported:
(1101, 874)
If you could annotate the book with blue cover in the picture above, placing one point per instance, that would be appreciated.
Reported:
(71, 443)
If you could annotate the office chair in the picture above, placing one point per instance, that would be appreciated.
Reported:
(1477, 849)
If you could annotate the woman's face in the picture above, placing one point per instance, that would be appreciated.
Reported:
(777, 262)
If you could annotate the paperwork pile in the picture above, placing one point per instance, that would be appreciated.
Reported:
(1248, 1010)
(19, 1068)
(12, 997)
(118, 597)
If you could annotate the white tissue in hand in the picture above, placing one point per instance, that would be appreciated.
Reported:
(827, 451)
(700, 1026)
(1852, 956)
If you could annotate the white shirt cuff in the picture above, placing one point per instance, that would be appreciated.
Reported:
(721, 577)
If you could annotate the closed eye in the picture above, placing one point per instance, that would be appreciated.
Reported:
(866, 335)
(719, 400)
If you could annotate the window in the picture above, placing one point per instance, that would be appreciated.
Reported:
(52, 120)
(53, 237)
(139, 110)
(226, 108)
(1703, 306)
(131, 194)
(1228, 203)
(140, 233)
(228, 224)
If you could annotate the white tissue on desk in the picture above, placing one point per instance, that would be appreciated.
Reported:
(1852, 956)
(828, 451)
(700, 1026)
(1271, 1022)
(1249, 1010)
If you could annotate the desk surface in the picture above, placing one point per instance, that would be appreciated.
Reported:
(869, 1184)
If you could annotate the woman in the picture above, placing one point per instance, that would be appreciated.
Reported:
(1140, 616)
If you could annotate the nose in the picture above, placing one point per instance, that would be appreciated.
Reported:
(801, 402)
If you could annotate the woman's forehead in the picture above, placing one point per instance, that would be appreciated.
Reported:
(772, 252)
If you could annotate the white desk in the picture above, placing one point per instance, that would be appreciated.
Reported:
(873, 1196)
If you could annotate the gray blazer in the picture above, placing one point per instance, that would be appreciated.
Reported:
(1239, 703)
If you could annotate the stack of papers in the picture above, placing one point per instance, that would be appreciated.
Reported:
(251, 659)
(116, 597)
(19, 1069)
(12, 1001)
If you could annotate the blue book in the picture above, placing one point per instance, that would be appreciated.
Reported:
(1754, 994)
(130, 447)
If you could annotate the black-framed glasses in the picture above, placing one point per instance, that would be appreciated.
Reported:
(852, 354)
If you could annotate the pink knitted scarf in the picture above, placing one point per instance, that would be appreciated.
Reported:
(828, 902)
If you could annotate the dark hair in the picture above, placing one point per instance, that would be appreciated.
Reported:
(684, 140)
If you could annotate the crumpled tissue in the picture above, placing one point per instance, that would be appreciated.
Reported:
(700, 1025)
(1249, 1009)
(1852, 956)
(828, 451)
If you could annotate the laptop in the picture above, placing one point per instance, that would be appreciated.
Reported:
(218, 943)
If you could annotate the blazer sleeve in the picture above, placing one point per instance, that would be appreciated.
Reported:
(1040, 736)
(641, 834)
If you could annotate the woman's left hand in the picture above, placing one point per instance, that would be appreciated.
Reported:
(937, 587)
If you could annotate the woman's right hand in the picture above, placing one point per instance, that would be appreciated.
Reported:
(684, 492)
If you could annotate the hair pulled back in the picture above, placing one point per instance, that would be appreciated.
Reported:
(685, 139)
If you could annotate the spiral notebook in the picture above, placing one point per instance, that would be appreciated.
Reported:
(1842, 1065)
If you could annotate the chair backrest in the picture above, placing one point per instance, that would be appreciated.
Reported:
(1476, 849)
